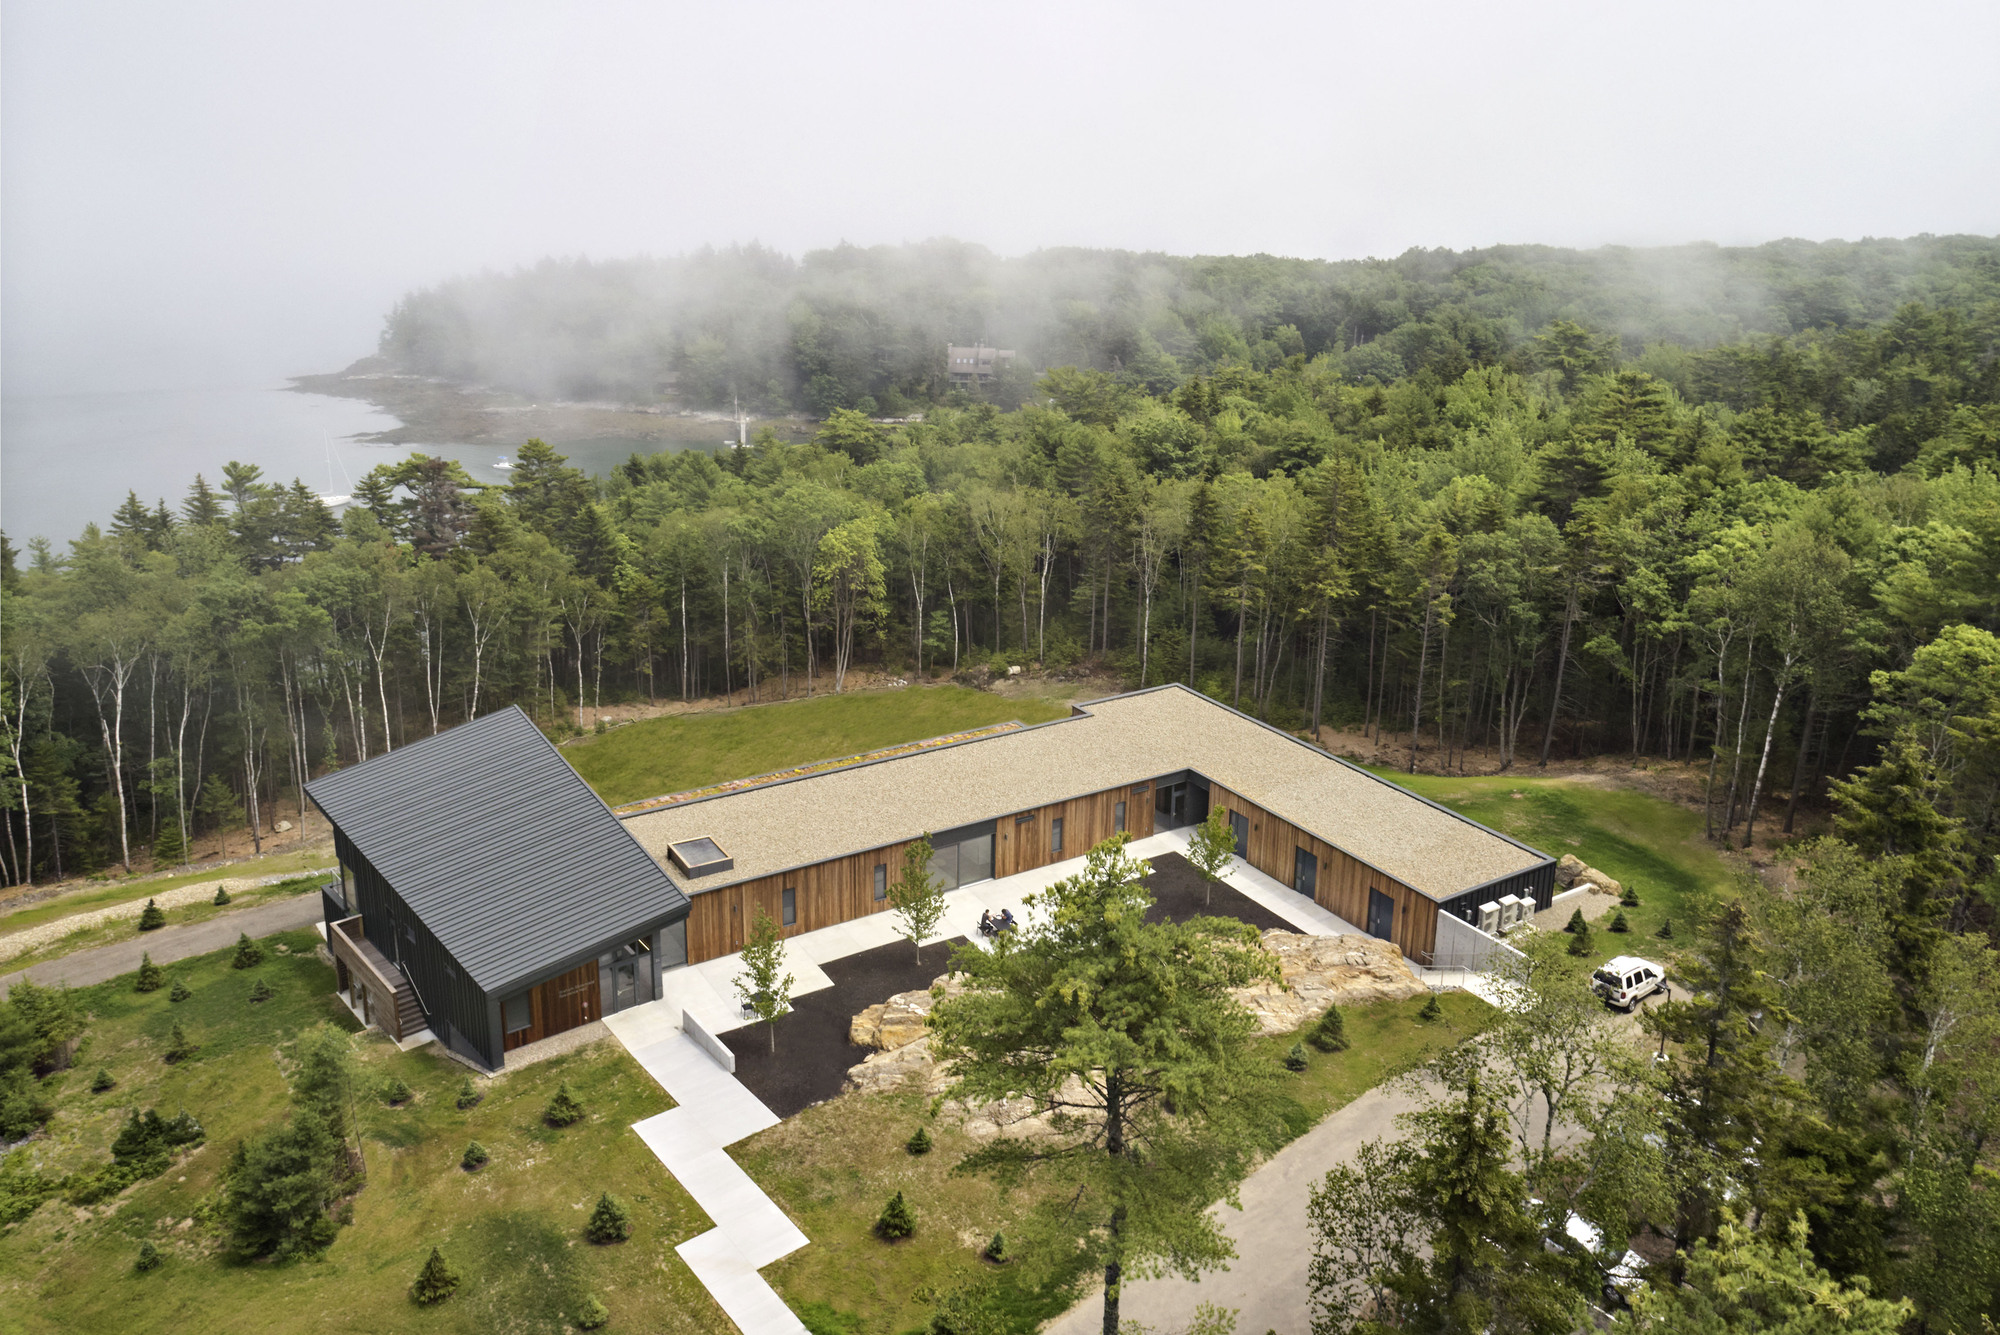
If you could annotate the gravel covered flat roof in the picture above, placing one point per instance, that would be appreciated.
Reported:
(1123, 739)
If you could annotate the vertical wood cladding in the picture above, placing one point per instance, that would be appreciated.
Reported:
(1343, 882)
(559, 1004)
(843, 889)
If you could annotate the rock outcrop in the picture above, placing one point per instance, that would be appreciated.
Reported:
(1573, 871)
(1320, 971)
(899, 1021)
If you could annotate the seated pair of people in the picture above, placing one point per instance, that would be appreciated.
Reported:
(991, 925)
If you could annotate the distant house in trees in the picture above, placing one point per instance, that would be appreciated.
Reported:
(974, 365)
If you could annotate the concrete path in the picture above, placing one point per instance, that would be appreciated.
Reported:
(714, 1111)
(171, 943)
(1266, 1284)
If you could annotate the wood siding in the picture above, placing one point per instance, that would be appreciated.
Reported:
(559, 1004)
(1343, 882)
(843, 889)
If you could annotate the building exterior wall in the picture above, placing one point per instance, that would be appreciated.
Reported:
(1343, 882)
(1023, 840)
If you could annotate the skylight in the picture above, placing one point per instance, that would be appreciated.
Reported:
(700, 857)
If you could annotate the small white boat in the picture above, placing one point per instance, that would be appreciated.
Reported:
(334, 501)
(502, 463)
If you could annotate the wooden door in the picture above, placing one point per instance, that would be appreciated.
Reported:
(566, 1002)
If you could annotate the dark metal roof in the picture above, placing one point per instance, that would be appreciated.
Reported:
(501, 849)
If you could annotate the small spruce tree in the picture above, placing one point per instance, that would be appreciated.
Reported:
(181, 991)
(170, 849)
(221, 897)
(179, 1046)
(1330, 1034)
(563, 1109)
(474, 1158)
(248, 953)
(592, 1314)
(435, 1281)
(609, 1222)
(152, 917)
(101, 1081)
(1579, 945)
(1630, 899)
(149, 1257)
(468, 1094)
(919, 1143)
(1666, 932)
(1576, 926)
(263, 991)
(1432, 1010)
(996, 1250)
(1618, 923)
(1295, 1060)
(896, 1220)
(150, 976)
(396, 1092)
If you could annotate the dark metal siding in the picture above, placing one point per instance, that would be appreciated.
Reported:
(498, 849)
(1537, 883)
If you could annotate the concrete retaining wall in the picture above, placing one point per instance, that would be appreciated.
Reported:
(709, 1042)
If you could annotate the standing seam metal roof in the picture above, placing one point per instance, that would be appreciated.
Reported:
(503, 851)
(1125, 739)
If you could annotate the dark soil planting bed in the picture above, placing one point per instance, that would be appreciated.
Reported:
(810, 1065)
(1177, 889)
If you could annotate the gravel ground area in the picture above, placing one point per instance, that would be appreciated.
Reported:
(1556, 917)
(169, 944)
(48, 933)
(1177, 890)
(810, 1065)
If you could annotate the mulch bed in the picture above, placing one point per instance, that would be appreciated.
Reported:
(810, 1065)
(1177, 890)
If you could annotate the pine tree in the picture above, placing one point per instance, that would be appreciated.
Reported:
(1432, 1010)
(248, 953)
(592, 1314)
(1330, 1034)
(896, 1220)
(1577, 926)
(996, 1250)
(435, 1282)
(920, 1143)
(149, 1257)
(1630, 899)
(170, 848)
(181, 991)
(396, 1092)
(609, 1222)
(202, 506)
(474, 1158)
(563, 1109)
(150, 975)
(1666, 932)
(101, 1081)
(468, 1094)
(1295, 1059)
(1618, 923)
(152, 917)
(263, 991)
(1579, 945)
(179, 1046)
(221, 897)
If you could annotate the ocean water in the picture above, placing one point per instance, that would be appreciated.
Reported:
(68, 459)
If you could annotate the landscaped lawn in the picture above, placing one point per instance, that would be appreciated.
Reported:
(834, 1166)
(124, 929)
(93, 896)
(513, 1231)
(671, 755)
(1644, 842)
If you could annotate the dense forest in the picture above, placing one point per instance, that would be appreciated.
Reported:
(1735, 510)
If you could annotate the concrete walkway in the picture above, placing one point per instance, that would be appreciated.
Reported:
(171, 943)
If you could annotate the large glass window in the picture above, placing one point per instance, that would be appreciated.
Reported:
(674, 945)
(962, 856)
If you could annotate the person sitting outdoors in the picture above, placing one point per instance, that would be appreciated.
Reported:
(986, 922)
(1006, 921)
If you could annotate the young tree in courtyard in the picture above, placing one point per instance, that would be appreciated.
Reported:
(764, 990)
(1210, 848)
(917, 896)
(1126, 1033)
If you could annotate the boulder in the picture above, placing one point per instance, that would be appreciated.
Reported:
(892, 1068)
(899, 1021)
(1570, 869)
(1320, 971)
(283, 827)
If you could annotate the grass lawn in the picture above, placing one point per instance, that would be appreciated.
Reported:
(513, 1231)
(95, 896)
(671, 755)
(122, 929)
(834, 1166)
(1647, 843)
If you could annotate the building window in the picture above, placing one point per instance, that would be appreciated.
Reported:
(515, 1014)
(881, 881)
(1118, 818)
(1055, 835)
(790, 907)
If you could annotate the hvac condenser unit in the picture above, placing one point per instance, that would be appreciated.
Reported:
(1489, 917)
(1511, 910)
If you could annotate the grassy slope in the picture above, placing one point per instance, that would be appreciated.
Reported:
(1645, 842)
(834, 1166)
(671, 755)
(514, 1231)
(120, 929)
(125, 892)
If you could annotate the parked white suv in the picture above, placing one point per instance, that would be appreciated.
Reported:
(1627, 980)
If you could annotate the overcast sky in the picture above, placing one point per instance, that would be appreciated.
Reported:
(229, 193)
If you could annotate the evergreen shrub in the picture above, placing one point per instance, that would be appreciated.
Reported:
(152, 917)
(435, 1282)
(1330, 1034)
(1432, 1010)
(996, 1250)
(263, 991)
(468, 1094)
(248, 953)
(1666, 932)
(221, 897)
(563, 1109)
(150, 976)
(1576, 926)
(1295, 1060)
(1618, 923)
(396, 1092)
(101, 1081)
(149, 1257)
(181, 991)
(179, 1046)
(1630, 899)
(609, 1222)
(590, 1313)
(474, 1158)
(896, 1220)
(1579, 945)
(919, 1143)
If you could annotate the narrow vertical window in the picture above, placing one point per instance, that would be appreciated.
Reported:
(1118, 818)
(881, 881)
(1055, 835)
(790, 909)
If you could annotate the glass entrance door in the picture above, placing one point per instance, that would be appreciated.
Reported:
(1305, 873)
